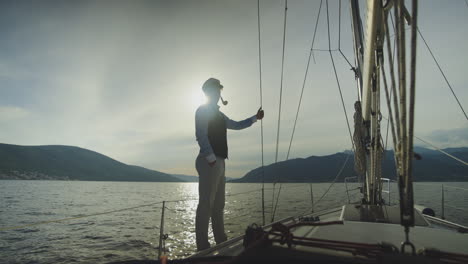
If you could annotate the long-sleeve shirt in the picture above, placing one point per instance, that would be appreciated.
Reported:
(203, 115)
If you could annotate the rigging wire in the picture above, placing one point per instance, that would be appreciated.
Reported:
(346, 59)
(388, 96)
(281, 85)
(336, 178)
(393, 92)
(443, 74)
(339, 25)
(261, 105)
(332, 183)
(393, 60)
(315, 30)
(437, 148)
(339, 38)
(303, 86)
(339, 87)
(337, 80)
(298, 107)
(414, 20)
(305, 78)
(279, 111)
(444, 152)
(325, 50)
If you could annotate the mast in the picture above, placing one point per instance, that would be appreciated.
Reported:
(370, 66)
(356, 26)
(368, 74)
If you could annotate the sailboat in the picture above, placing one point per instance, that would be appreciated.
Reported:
(370, 231)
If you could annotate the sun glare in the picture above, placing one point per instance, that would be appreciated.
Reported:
(197, 99)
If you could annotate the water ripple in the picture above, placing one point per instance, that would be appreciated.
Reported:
(134, 234)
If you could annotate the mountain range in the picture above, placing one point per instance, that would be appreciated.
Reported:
(70, 163)
(74, 163)
(433, 166)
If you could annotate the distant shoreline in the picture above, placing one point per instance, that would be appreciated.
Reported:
(75, 180)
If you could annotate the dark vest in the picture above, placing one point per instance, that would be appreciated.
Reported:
(217, 135)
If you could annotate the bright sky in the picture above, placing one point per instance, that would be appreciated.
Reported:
(123, 78)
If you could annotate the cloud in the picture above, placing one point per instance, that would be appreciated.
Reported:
(122, 78)
(6, 72)
(11, 113)
(444, 138)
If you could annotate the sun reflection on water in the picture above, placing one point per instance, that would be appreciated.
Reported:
(181, 221)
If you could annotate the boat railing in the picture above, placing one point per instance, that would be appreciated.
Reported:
(240, 214)
(443, 203)
(170, 210)
(440, 206)
(347, 180)
(349, 190)
(387, 191)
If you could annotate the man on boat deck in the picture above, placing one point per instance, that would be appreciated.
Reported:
(210, 126)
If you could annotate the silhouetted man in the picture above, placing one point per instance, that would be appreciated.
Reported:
(211, 125)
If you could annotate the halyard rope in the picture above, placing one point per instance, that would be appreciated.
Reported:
(261, 105)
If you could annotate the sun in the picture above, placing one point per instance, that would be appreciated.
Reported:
(197, 98)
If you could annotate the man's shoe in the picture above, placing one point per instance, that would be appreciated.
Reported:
(203, 247)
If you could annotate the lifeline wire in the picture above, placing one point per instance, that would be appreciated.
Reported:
(73, 218)
(117, 210)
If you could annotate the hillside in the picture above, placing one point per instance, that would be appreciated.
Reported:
(434, 166)
(189, 178)
(70, 163)
(186, 178)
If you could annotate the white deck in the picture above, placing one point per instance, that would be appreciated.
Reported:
(375, 233)
(425, 236)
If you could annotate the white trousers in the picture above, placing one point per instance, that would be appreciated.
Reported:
(211, 188)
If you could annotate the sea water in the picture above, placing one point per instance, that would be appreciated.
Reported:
(115, 221)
